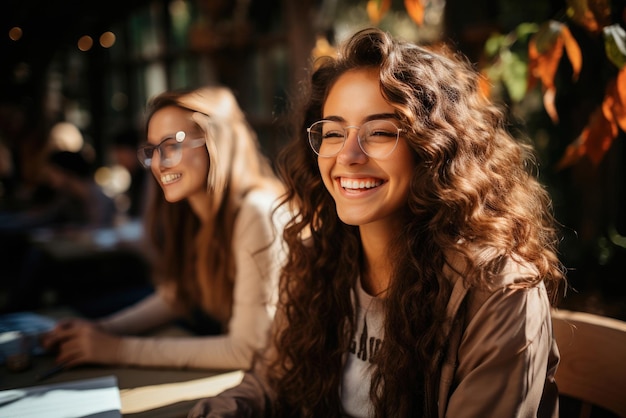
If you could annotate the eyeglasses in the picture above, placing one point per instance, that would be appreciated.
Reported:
(377, 138)
(170, 150)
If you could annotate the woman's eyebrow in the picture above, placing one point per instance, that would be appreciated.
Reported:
(381, 116)
(374, 116)
(162, 140)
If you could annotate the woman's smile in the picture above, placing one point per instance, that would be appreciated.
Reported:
(355, 184)
(169, 178)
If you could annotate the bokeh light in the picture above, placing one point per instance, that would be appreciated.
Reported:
(119, 101)
(85, 43)
(65, 136)
(15, 33)
(113, 180)
(107, 39)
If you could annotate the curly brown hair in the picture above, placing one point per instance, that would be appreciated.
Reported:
(473, 187)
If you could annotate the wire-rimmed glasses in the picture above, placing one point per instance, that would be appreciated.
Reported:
(377, 138)
(170, 149)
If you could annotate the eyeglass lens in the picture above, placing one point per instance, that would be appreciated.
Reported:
(170, 150)
(377, 138)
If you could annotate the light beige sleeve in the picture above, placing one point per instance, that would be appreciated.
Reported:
(145, 315)
(254, 302)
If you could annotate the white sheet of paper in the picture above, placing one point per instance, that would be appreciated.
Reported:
(82, 398)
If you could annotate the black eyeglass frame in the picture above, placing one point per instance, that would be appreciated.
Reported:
(145, 153)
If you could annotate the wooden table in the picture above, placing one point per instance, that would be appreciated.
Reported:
(144, 392)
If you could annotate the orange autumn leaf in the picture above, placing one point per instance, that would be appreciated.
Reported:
(594, 141)
(604, 124)
(415, 10)
(543, 67)
(604, 129)
(579, 12)
(602, 132)
(376, 9)
(484, 85)
(573, 153)
(573, 51)
(609, 105)
(617, 90)
(592, 15)
(545, 50)
(549, 96)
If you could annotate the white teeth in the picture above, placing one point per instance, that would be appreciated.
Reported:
(168, 178)
(359, 184)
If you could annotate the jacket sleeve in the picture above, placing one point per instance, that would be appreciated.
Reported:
(254, 302)
(253, 397)
(249, 399)
(506, 357)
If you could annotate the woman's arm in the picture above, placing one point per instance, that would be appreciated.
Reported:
(249, 399)
(506, 358)
(147, 314)
(259, 257)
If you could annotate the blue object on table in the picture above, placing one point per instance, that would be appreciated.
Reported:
(29, 324)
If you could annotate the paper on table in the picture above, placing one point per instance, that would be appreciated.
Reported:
(99, 397)
(151, 397)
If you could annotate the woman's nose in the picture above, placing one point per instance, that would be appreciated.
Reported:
(351, 153)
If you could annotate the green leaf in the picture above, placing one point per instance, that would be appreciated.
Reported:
(524, 29)
(547, 35)
(493, 45)
(514, 76)
(615, 44)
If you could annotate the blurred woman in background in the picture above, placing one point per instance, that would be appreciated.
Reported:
(216, 244)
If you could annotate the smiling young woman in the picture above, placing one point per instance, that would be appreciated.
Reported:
(181, 161)
(422, 260)
(215, 235)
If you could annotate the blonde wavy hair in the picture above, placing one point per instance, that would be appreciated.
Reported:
(192, 259)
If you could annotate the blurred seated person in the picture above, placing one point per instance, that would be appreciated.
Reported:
(69, 205)
(68, 196)
(215, 239)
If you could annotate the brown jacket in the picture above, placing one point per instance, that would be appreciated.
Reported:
(500, 360)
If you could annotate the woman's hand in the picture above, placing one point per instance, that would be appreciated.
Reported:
(79, 341)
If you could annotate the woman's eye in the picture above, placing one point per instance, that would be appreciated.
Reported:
(333, 136)
(380, 136)
(170, 146)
